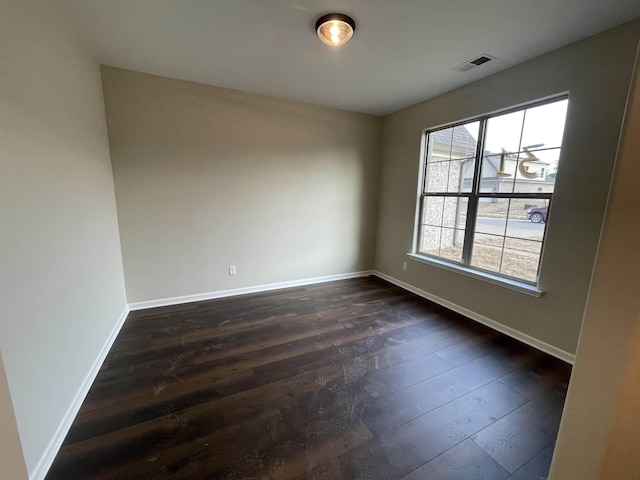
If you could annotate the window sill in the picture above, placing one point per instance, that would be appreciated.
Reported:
(486, 277)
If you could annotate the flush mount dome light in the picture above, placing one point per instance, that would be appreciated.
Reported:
(335, 28)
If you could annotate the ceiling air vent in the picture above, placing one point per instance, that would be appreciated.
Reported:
(474, 62)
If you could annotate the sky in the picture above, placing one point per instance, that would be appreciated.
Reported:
(542, 125)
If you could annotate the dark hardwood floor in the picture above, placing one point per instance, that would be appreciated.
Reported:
(354, 379)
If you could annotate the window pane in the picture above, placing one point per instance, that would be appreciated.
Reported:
(437, 177)
(461, 175)
(432, 210)
(487, 252)
(520, 258)
(528, 164)
(455, 212)
(492, 215)
(440, 145)
(468, 168)
(442, 232)
(537, 171)
(519, 225)
(503, 133)
(453, 183)
(465, 140)
(451, 243)
(442, 242)
(506, 242)
(498, 172)
(544, 125)
(430, 240)
(455, 144)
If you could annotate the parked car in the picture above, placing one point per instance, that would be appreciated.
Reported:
(537, 214)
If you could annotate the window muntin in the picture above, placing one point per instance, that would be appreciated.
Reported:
(480, 180)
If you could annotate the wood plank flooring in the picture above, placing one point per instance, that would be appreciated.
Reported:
(355, 379)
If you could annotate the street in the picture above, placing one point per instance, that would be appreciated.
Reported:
(517, 228)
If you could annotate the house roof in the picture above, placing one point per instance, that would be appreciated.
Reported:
(461, 141)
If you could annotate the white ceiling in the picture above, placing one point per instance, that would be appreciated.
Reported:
(403, 51)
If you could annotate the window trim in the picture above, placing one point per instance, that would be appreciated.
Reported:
(518, 284)
(503, 281)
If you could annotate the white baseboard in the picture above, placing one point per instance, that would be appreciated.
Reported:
(45, 462)
(511, 332)
(163, 302)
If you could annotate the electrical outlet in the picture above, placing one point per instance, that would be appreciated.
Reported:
(232, 270)
(404, 265)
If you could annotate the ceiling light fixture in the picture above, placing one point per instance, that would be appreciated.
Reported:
(335, 28)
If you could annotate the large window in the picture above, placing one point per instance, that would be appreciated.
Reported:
(487, 190)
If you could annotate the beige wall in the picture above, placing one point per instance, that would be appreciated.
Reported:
(599, 436)
(11, 458)
(207, 178)
(61, 279)
(596, 73)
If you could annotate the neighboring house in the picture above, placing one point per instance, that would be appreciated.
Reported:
(451, 155)
(507, 172)
(500, 168)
